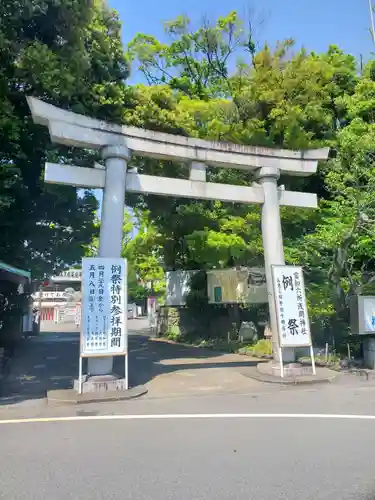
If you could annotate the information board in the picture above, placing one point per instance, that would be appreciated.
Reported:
(245, 285)
(151, 311)
(104, 307)
(291, 307)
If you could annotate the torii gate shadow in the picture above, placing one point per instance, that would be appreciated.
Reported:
(149, 358)
(50, 362)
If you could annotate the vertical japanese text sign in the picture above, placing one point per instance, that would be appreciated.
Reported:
(104, 307)
(292, 314)
(151, 311)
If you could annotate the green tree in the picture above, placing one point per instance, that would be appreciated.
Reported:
(268, 97)
(143, 252)
(195, 62)
(68, 53)
(340, 250)
(142, 247)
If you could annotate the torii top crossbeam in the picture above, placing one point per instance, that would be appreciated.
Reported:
(72, 129)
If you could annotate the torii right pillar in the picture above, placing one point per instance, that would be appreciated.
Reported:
(273, 247)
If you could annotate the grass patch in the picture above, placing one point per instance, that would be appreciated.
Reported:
(261, 349)
(333, 361)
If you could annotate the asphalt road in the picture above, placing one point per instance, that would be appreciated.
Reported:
(192, 458)
(120, 451)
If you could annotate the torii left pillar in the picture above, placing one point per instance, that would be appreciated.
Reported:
(111, 227)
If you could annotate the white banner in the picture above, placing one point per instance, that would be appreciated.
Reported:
(104, 307)
(292, 314)
(49, 295)
(151, 311)
(69, 275)
(177, 287)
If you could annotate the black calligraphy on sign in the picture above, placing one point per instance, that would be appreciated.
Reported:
(281, 308)
(91, 326)
(88, 332)
(103, 339)
(92, 277)
(100, 293)
(293, 326)
(115, 289)
(97, 338)
(300, 304)
(288, 283)
(116, 342)
(116, 320)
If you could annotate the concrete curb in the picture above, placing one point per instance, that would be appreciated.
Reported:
(70, 396)
(255, 374)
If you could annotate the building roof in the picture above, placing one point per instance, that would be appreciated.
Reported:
(11, 273)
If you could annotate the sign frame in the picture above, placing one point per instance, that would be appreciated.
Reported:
(359, 305)
(151, 312)
(308, 343)
(229, 280)
(124, 315)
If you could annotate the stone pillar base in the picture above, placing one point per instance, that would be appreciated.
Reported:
(101, 383)
(291, 370)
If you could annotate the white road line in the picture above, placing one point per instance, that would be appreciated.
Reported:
(190, 416)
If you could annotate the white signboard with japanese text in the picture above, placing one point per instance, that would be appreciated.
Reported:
(104, 307)
(292, 314)
(69, 275)
(177, 287)
(233, 286)
(362, 314)
(151, 311)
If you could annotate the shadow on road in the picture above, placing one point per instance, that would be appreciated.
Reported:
(149, 358)
(39, 364)
(50, 362)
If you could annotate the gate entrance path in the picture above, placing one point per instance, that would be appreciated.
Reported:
(50, 362)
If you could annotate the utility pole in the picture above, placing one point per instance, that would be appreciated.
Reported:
(372, 20)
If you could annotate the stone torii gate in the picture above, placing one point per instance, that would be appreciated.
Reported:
(117, 143)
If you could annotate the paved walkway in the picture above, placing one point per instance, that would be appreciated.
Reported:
(50, 362)
(169, 369)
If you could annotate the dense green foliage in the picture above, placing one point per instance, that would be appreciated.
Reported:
(69, 53)
(213, 83)
(142, 247)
